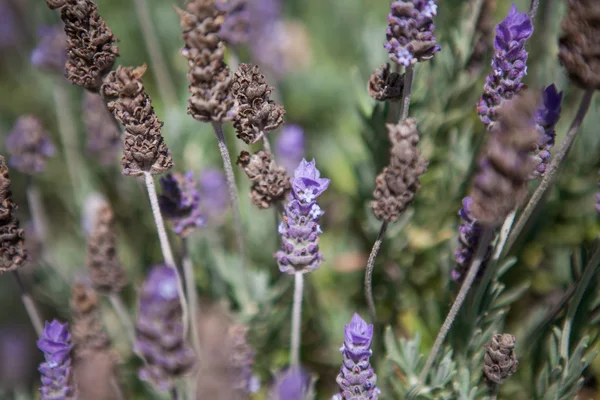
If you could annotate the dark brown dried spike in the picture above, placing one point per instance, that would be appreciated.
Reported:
(13, 254)
(500, 359)
(88, 335)
(385, 85)
(144, 149)
(257, 113)
(270, 183)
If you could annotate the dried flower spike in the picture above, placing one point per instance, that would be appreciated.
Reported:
(504, 170)
(102, 260)
(51, 51)
(55, 343)
(180, 203)
(29, 145)
(396, 185)
(241, 363)
(270, 183)
(546, 117)
(159, 330)
(357, 379)
(209, 77)
(509, 65)
(144, 147)
(500, 359)
(385, 85)
(13, 254)
(410, 31)
(88, 335)
(256, 113)
(289, 147)
(91, 49)
(300, 228)
(292, 383)
(103, 134)
(579, 46)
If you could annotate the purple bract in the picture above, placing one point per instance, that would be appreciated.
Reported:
(546, 117)
(55, 342)
(180, 202)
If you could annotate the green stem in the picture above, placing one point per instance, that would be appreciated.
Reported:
(192, 297)
(29, 304)
(123, 315)
(406, 92)
(369, 272)
(296, 319)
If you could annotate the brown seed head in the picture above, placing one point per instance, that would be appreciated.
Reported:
(88, 335)
(144, 149)
(385, 85)
(256, 114)
(209, 76)
(396, 185)
(13, 254)
(500, 359)
(579, 46)
(270, 183)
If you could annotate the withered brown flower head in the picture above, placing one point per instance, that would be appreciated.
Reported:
(385, 85)
(144, 149)
(106, 273)
(256, 113)
(86, 328)
(500, 359)
(270, 182)
(209, 77)
(396, 185)
(579, 46)
(90, 42)
(12, 244)
(506, 166)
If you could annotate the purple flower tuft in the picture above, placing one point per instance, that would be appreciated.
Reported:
(291, 384)
(159, 330)
(29, 145)
(356, 379)
(51, 51)
(509, 64)
(410, 31)
(214, 197)
(290, 147)
(546, 117)
(55, 342)
(180, 202)
(300, 228)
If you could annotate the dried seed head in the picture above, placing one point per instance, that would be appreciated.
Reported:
(396, 185)
(500, 359)
(385, 85)
(506, 167)
(209, 77)
(579, 46)
(12, 245)
(90, 42)
(256, 114)
(270, 183)
(144, 148)
(88, 335)
(105, 269)
(103, 134)
(29, 145)
(241, 361)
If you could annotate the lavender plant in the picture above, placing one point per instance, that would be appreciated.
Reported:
(55, 343)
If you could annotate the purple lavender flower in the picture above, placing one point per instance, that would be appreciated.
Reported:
(180, 202)
(546, 117)
(55, 342)
(291, 384)
(356, 379)
(509, 64)
(11, 29)
(214, 197)
(470, 234)
(29, 145)
(159, 338)
(289, 147)
(51, 51)
(300, 228)
(410, 31)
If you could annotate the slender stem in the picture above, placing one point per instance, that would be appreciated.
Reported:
(192, 296)
(552, 173)
(406, 92)
(296, 319)
(266, 143)
(233, 196)
(118, 392)
(504, 231)
(533, 8)
(30, 307)
(123, 315)
(494, 390)
(460, 298)
(165, 246)
(369, 271)
(38, 214)
(174, 394)
(159, 66)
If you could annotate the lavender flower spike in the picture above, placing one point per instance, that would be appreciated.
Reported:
(410, 32)
(289, 147)
(546, 117)
(180, 202)
(356, 379)
(509, 64)
(214, 198)
(51, 51)
(29, 145)
(55, 342)
(291, 384)
(300, 228)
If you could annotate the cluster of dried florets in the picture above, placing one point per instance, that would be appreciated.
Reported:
(500, 359)
(270, 183)
(13, 254)
(385, 85)
(88, 335)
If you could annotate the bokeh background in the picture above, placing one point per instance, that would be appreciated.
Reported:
(327, 50)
